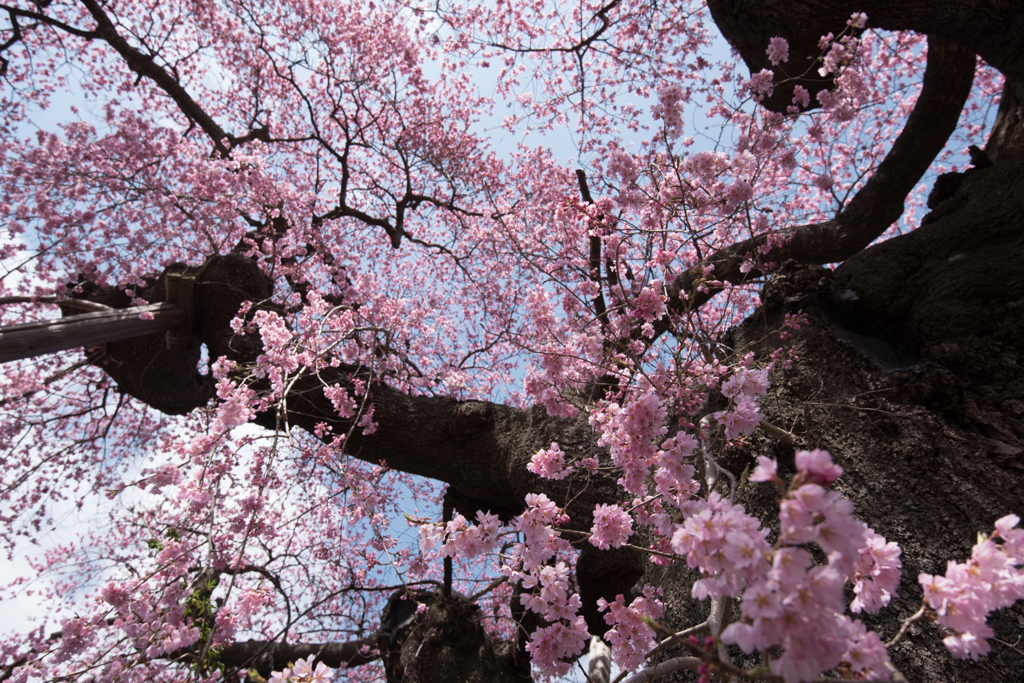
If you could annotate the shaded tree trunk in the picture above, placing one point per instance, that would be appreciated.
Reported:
(917, 389)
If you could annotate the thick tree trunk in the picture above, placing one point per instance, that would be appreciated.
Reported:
(917, 389)
(479, 449)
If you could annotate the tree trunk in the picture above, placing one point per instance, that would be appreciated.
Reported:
(917, 389)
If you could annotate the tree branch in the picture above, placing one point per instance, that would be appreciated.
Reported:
(947, 84)
(266, 656)
(595, 255)
(993, 30)
(144, 65)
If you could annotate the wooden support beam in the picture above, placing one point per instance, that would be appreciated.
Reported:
(89, 329)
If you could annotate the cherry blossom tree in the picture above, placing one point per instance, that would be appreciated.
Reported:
(446, 408)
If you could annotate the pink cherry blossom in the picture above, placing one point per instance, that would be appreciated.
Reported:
(470, 541)
(549, 463)
(741, 420)
(778, 50)
(612, 527)
(877, 572)
(801, 97)
(761, 82)
(404, 291)
(669, 109)
(965, 596)
(818, 466)
(766, 470)
(630, 637)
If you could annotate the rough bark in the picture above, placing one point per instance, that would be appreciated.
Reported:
(917, 389)
(1007, 137)
(447, 643)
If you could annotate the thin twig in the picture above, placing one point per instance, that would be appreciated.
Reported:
(778, 433)
(918, 616)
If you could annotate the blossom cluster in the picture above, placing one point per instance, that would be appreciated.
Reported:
(236, 407)
(876, 574)
(990, 580)
(778, 50)
(674, 477)
(725, 543)
(279, 358)
(461, 539)
(551, 647)
(302, 672)
(743, 389)
(622, 165)
(630, 432)
(612, 526)
(552, 599)
(540, 540)
(787, 600)
(761, 83)
(630, 638)
(470, 541)
(669, 109)
(549, 463)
